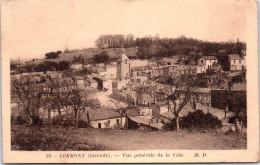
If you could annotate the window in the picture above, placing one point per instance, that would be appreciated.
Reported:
(99, 125)
(210, 61)
(234, 61)
(239, 61)
(201, 61)
(117, 121)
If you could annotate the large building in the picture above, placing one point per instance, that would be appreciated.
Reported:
(123, 67)
(236, 62)
(205, 63)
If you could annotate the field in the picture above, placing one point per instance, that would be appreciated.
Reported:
(25, 137)
(89, 53)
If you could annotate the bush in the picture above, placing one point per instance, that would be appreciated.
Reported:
(170, 126)
(63, 121)
(83, 124)
(200, 121)
(36, 120)
(21, 120)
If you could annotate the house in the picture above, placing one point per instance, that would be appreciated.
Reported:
(145, 99)
(139, 63)
(93, 83)
(151, 72)
(203, 96)
(236, 62)
(111, 72)
(100, 65)
(76, 66)
(79, 82)
(107, 118)
(205, 63)
(137, 71)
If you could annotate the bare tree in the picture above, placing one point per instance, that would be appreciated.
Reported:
(29, 95)
(79, 100)
(175, 89)
(236, 102)
(57, 96)
(123, 109)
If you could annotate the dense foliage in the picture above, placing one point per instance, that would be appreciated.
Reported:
(53, 55)
(115, 41)
(200, 121)
(102, 57)
(195, 121)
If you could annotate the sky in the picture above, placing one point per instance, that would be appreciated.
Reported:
(32, 28)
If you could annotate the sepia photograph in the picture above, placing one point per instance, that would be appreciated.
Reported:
(114, 76)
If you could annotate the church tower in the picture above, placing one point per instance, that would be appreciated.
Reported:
(123, 67)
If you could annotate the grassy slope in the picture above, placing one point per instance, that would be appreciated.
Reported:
(89, 53)
(59, 138)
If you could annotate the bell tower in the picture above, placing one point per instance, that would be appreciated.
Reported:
(123, 67)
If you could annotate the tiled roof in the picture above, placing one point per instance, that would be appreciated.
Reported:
(123, 57)
(235, 57)
(101, 114)
(79, 78)
(203, 90)
(146, 121)
(209, 57)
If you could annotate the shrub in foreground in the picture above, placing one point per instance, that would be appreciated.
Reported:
(200, 121)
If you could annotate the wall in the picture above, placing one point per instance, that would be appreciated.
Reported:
(113, 122)
(235, 65)
(123, 70)
(80, 83)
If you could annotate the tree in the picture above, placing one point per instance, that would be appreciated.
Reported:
(53, 55)
(57, 97)
(47, 66)
(29, 95)
(79, 100)
(111, 41)
(123, 109)
(13, 66)
(64, 65)
(101, 57)
(236, 101)
(177, 89)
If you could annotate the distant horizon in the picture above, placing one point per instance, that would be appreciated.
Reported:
(43, 55)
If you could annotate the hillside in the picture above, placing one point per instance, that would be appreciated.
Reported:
(89, 53)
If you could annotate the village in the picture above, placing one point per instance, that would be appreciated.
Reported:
(132, 93)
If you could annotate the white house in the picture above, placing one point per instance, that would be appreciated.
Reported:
(111, 72)
(205, 63)
(237, 62)
(106, 118)
(76, 66)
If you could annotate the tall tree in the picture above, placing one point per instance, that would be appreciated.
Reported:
(176, 90)
(29, 95)
(79, 100)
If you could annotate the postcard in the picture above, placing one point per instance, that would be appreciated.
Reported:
(129, 81)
